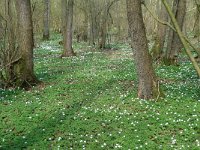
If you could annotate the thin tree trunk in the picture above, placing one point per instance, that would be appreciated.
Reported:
(103, 27)
(148, 87)
(102, 43)
(93, 25)
(46, 19)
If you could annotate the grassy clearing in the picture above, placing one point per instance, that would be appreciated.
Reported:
(88, 102)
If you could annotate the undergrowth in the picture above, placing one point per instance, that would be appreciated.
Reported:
(89, 102)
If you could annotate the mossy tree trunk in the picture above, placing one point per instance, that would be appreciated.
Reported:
(24, 71)
(181, 37)
(148, 86)
(157, 49)
(174, 44)
(9, 41)
(197, 19)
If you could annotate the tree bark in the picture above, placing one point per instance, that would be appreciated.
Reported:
(157, 49)
(181, 37)
(10, 40)
(67, 27)
(148, 86)
(93, 25)
(103, 31)
(46, 34)
(103, 26)
(24, 67)
(104, 23)
(197, 20)
(174, 44)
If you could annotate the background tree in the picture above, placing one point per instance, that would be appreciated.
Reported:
(46, 19)
(157, 50)
(104, 23)
(174, 44)
(67, 17)
(182, 38)
(95, 22)
(8, 51)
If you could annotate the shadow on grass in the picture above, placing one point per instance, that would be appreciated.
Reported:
(38, 137)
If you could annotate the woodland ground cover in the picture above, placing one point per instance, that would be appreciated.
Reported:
(89, 102)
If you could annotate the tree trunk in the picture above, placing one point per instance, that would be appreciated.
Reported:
(67, 28)
(148, 87)
(197, 20)
(174, 44)
(46, 19)
(103, 26)
(10, 40)
(157, 49)
(103, 31)
(181, 37)
(24, 67)
(104, 23)
(93, 25)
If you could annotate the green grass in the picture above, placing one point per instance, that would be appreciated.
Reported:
(89, 102)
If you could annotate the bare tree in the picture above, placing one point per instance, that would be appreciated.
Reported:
(104, 23)
(157, 49)
(8, 51)
(183, 39)
(46, 19)
(67, 17)
(174, 44)
(197, 19)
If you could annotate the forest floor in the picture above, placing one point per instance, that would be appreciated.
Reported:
(89, 102)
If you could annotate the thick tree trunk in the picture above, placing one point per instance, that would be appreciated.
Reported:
(46, 19)
(174, 43)
(148, 87)
(24, 67)
(67, 28)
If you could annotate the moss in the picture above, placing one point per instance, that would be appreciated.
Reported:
(170, 61)
(156, 50)
(23, 78)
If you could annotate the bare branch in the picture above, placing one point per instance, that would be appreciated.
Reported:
(157, 19)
